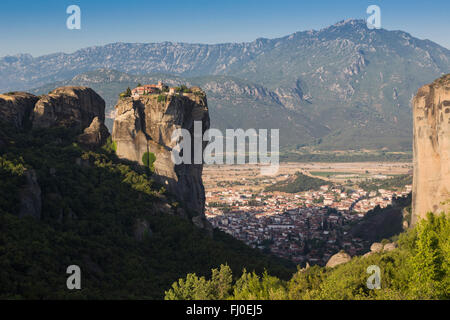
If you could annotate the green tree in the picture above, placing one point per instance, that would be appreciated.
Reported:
(429, 264)
(221, 282)
(252, 287)
(198, 288)
(193, 288)
(148, 159)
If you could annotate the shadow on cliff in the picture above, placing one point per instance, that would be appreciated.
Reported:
(379, 224)
(105, 215)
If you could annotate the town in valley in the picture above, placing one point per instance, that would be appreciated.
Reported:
(308, 226)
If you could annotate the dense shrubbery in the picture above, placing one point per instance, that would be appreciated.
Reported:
(300, 183)
(12, 172)
(91, 202)
(418, 269)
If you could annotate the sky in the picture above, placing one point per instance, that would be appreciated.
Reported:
(39, 27)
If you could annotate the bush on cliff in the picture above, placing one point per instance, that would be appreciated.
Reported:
(148, 159)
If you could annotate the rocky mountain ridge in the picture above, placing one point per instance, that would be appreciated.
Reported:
(349, 37)
(354, 85)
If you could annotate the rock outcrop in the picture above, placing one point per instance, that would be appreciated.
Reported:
(16, 108)
(431, 112)
(376, 247)
(389, 247)
(338, 258)
(146, 123)
(141, 229)
(80, 108)
(69, 107)
(30, 196)
(379, 247)
(95, 135)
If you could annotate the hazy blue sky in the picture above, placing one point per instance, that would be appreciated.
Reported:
(39, 27)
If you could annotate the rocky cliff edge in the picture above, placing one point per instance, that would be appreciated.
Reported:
(146, 123)
(80, 108)
(431, 113)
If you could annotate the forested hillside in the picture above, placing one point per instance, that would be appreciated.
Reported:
(298, 183)
(418, 269)
(100, 213)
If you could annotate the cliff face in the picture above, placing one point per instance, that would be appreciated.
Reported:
(74, 107)
(145, 124)
(431, 112)
(16, 108)
(70, 107)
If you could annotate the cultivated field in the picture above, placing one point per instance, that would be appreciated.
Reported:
(248, 177)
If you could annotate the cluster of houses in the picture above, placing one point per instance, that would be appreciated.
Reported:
(303, 227)
(302, 235)
(152, 89)
(382, 198)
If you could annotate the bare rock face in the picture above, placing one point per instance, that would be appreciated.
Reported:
(16, 107)
(376, 247)
(69, 107)
(141, 229)
(202, 223)
(95, 135)
(145, 124)
(338, 258)
(431, 113)
(389, 247)
(73, 107)
(30, 196)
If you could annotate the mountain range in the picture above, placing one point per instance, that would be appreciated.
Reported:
(342, 87)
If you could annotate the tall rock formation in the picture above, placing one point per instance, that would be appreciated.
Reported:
(431, 112)
(16, 108)
(30, 196)
(80, 108)
(146, 123)
(72, 107)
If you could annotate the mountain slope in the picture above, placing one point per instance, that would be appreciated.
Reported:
(351, 84)
(233, 102)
